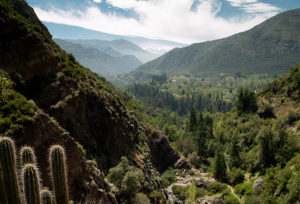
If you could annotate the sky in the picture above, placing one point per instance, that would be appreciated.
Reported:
(183, 21)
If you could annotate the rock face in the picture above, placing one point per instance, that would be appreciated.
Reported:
(257, 186)
(23, 50)
(78, 110)
(43, 131)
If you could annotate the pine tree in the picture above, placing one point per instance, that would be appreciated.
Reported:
(200, 136)
(234, 153)
(193, 120)
(219, 165)
(266, 155)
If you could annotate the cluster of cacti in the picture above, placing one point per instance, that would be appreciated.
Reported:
(30, 175)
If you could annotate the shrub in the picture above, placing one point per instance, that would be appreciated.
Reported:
(194, 158)
(180, 191)
(243, 188)
(140, 198)
(236, 176)
(253, 200)
(267, 112)
(292, 117)
(191, 193)
(230, 199)
(130, 183)
(168, 177)
(216, 187)
(14, 110)
(155, 195)
(294, 190)
(117, 173)
(125, 177)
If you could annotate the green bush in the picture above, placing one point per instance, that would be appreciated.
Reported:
(191, 193)
(236, 176)
(293, 195)
(126, 178)
(155, 195)
(292, 117)
(130, 183)
(253, 199)
(14, 110)
(180, 191)
(216, 187)
(117, 173)
(267, 112)
(230, 199)
(243, 188)
(140, 198)
(168, 177)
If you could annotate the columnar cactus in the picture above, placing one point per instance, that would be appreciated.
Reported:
(3, 198)
(31, 184)
(46, 197)
(59, 175)
(27, 156)
(8, 165)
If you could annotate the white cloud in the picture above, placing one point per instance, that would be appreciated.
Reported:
(97, 1)
(254, 6)
(162, 19)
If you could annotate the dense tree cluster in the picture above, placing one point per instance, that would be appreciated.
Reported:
(180, 104)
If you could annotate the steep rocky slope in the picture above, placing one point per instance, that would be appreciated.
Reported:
(73, 107)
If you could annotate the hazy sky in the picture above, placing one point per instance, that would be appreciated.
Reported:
(185, 21)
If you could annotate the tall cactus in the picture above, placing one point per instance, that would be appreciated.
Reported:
(59, 175)
(27, 156)
(46, 197)
(3, 198)
(8, 165)
(31, 184)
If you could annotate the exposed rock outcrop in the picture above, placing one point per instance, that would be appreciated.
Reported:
(41, 132)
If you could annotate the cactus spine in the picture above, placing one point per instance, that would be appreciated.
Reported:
(27, 156)
(8, 165)
(58, 168)
(31, 184)
(46, 197)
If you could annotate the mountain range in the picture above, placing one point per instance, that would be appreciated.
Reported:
(157, 46)
(270, 47)
(102, 60)
(118, 48)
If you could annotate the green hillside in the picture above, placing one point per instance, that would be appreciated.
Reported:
(270, 47)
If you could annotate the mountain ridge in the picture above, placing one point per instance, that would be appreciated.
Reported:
(122, 46)
(268, 47)
(100, 61)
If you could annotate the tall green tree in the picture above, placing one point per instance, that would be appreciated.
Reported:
(246, 102)
(266, 156)
(193, 120)
(200, 135)
(219, 164)
(234, 152)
